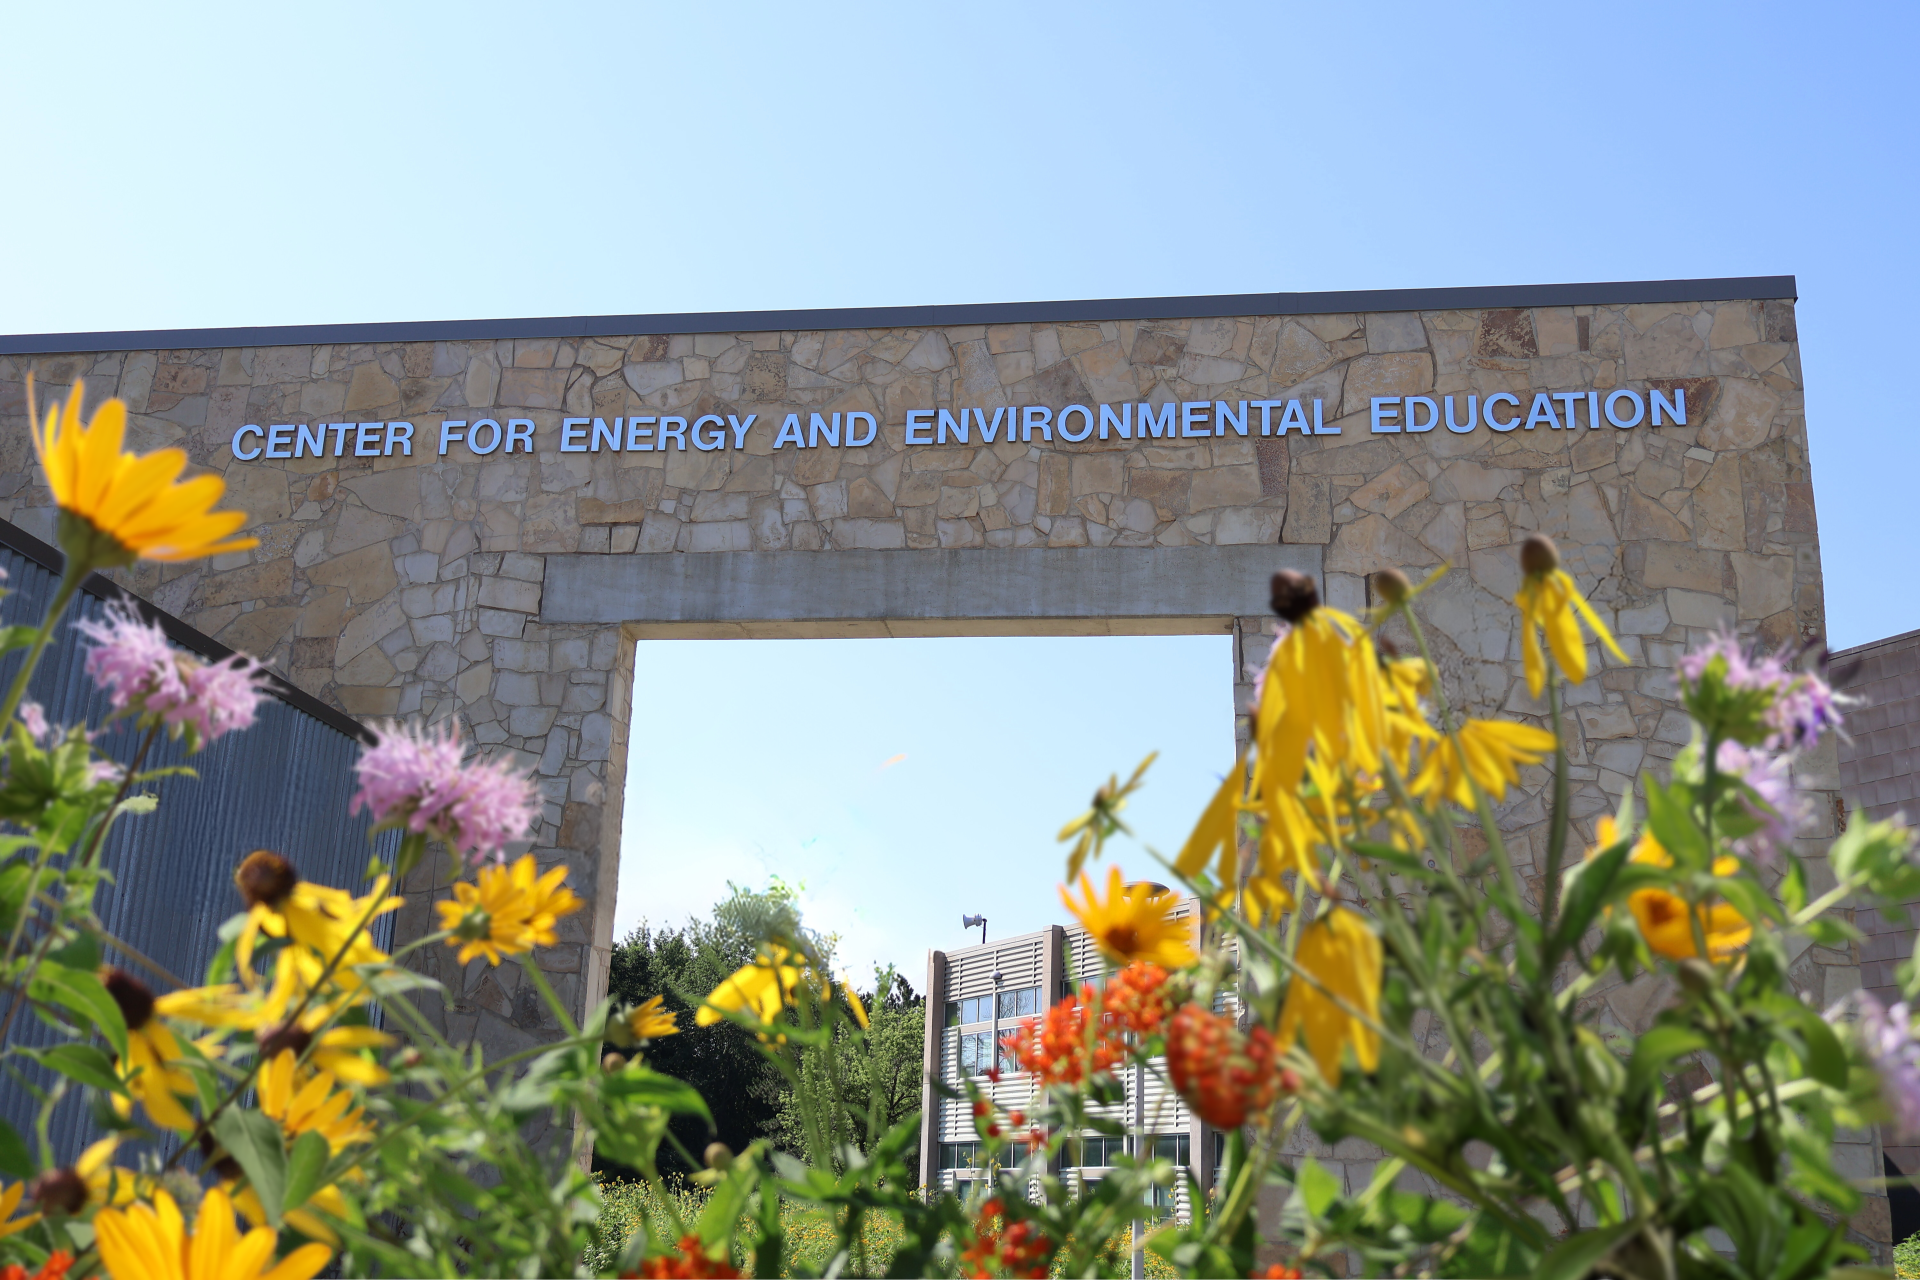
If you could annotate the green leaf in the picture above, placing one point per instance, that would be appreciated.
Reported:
(1828, 931)
(1670, 818)
(305, 1166)
(1656, 1049)
(254, 1140)
(1793, 888)
(1826, 1060)
(12, 638)
(1574, 1257)
(15, 1161)
(1748, 898)
(641, 1087)
(1317, 1186)
(86, 995)
(1586, 892)
(82, 953)
(145, 803)
(81, 1063)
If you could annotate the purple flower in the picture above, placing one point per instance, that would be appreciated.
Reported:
(1887, 1037)
(34, 717)
(145, 675)
(1803, 704)
(414, 778)
(1779, 808)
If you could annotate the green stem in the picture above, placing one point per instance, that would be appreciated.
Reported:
(1557, 826)
(69, 584)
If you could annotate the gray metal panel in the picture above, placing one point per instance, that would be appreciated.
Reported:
(1609, 294)
(1080, 582)
(284, 784)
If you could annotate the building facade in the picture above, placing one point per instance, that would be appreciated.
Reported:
(978, 995)
(492, 519)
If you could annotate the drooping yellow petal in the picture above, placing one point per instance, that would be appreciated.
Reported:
(1344, 957)
(1218, 829)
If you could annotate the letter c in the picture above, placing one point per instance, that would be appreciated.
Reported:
(1496, 398)
(246, 457)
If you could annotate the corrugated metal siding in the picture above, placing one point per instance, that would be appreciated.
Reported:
(284, 785)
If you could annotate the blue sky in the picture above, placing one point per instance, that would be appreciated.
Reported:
(246, 164)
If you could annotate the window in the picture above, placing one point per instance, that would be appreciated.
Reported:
(976, 1053)
(972, 1009)
(1105, 1150)
(1008, 1062)
(962, 1155)
(1024, 1003)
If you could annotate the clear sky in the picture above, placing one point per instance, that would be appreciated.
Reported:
(237, 164)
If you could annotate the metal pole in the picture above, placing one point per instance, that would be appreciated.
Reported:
(1139, 1158)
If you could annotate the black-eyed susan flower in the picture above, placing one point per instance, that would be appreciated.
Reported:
(761, 988)
(1550, 601)
(92, 1179)
(1134, 922)
(118, 507)
(1322, 684)
(508, 911)
(1343, 957)
(150, 1071)
(9, 1205)
(337, 1050)
(642, 1022)
(150, 1241)
(307, 1102)
(1662, 915)
(1489, 752)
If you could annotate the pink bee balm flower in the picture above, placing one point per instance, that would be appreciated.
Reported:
(144, 675)
(414, 778)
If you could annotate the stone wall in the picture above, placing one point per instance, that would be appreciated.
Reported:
(413, 585)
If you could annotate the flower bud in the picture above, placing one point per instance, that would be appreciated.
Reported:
(1290, 1081)
(1392, 586)
(408, 1058)
(58, 1191)
(133, 996)
(1293, 595)
(718, 1155)
(1538, 555)
(613, 1062)
(288, 1035)
(265, 878)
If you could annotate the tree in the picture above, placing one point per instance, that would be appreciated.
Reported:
(882, 1076)
(682, 966)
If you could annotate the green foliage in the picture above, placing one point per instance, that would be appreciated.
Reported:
(722, 1061)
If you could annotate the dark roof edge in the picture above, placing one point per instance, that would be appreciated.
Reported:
(1616, 293)
(1851, 650)
(50, 557)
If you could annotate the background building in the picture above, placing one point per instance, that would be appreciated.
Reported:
(975, 996)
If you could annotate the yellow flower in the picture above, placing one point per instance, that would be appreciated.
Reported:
(1662, 916)
(149, 1071)
(132, 504)
(508, 913)
(310, 1107)
(1266, 899)
(1493, 751)
(648, 1021)
(9, 1201)
(1549, 601)
(1134, 923)
(150, 1242)
(305, 1220)
(1344, 956)
(761, 988)
(323, 920)
(105, 1183)
(1322, 684)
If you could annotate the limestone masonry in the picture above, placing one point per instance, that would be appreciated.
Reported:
(511, 589)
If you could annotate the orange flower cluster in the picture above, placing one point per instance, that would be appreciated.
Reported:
(1223, 1073)
(55, 1268)
(1136, 998)
(1022, 1249)
(688, 1262)
(1058, 1048)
